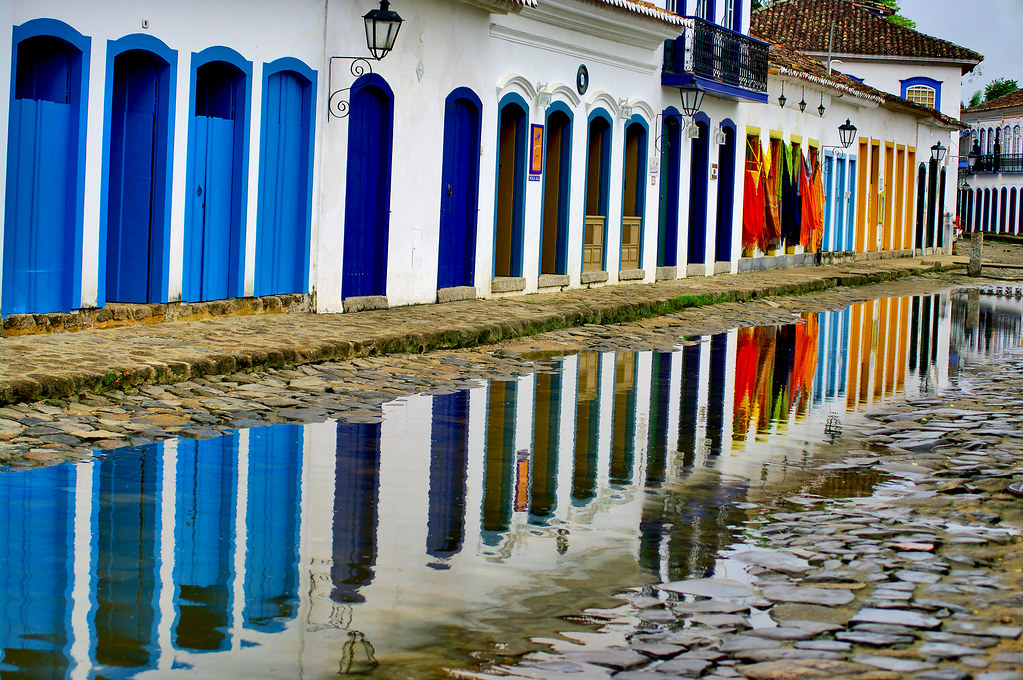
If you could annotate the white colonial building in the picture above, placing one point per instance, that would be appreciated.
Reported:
(163, 153)
(991, 199)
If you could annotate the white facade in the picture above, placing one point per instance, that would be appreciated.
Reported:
(994, 201)
(499, 54)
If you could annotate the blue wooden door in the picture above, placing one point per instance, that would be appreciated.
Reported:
(215, 227)
(827, 241)
(459, 194)
(850, 218)
(132, 246)
(840, 205)
(282, 244)
(39, 235)
(368, 198)
(698, 187)
(671, 157)
(726, 196)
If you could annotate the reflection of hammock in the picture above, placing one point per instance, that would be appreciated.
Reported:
(355, 643)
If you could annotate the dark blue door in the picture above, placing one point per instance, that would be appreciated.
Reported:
(698, 197)
(671, 157)
(368, 198)
(459, 197)
(134, 246)
(726, 196)
(215, 227)
(282, 245)
(42, 175)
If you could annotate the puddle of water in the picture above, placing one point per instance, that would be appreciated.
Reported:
(460, 526)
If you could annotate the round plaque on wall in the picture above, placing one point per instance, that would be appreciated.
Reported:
(582, 79)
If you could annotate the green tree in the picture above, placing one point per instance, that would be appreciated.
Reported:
(977, 99)
(999, 87)
(898, 18)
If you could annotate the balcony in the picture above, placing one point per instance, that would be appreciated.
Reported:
(999, 163)
(727, 64)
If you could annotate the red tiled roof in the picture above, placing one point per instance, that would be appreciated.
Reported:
(1003, 102)
(806, 25)
(789, 62)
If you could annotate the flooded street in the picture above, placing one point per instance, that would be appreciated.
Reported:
(464, 526)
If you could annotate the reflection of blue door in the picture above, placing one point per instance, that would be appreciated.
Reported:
(368, 196)
(282, 244)
(134, 244)
(449, 455)
(217, 178)
(356, 497)
(207, 482)
(459, 196)
(271, 521)
(39, 271)
(36, 548)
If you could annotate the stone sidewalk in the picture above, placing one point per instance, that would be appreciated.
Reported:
(34, 367)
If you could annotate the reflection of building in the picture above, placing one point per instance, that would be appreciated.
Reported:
(276, 547)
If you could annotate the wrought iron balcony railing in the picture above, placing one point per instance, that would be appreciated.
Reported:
(716, 53)
(999, 163)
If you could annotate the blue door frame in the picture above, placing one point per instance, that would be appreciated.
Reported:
(726, 194)
(634, 184)
(557, 189)
(284, 221)
(828, 170)
(43, 215)
(598, 173)
(698, 188)
(850, 218)
(368, 194)
(139, 132)
(671, 170)
(459, 191)
(840, 204)
(509, 214)
(217, 175)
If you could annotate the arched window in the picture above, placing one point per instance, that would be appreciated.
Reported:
(1007, 140)
(921, 94)
(990, 140)
(983, 140)
(1016, 140)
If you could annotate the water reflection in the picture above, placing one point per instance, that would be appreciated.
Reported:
(305, 551)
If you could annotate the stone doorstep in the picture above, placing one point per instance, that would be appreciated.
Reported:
(507, 284)
(363, 303)
(666, 273)
(456, 293)
(116, 314)
(593, 277)
(631, 275)
(722, 267)
(553, 281)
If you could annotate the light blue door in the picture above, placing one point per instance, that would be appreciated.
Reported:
(282, 245)
(39, 235)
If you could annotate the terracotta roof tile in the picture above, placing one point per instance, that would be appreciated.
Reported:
(806, 24)
(1003, 102)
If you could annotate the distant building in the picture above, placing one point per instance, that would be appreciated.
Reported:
(858, 40)
(991, 199)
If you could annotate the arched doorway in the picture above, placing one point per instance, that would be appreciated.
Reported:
(671, 158)
(557, 190)
(138, 210)
(459, 196)
(368, 194)
(598, 165)
(511, 180)
(726, 194)
(633, 194)
(921, 202)
(215, 239)
(285, 179)
(698, 186)
(45, 158)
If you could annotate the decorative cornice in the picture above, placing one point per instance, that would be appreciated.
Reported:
(528, 39)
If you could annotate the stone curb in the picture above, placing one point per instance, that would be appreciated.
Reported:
(450, 331)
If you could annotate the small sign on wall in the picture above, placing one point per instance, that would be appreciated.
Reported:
(536, 150)
(713, 170)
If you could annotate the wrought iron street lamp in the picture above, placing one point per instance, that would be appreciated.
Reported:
(382, 26)
(846, 133)
(938, 152)
(782, 99)
(973, 156)
(692, 98)
(802, 102)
